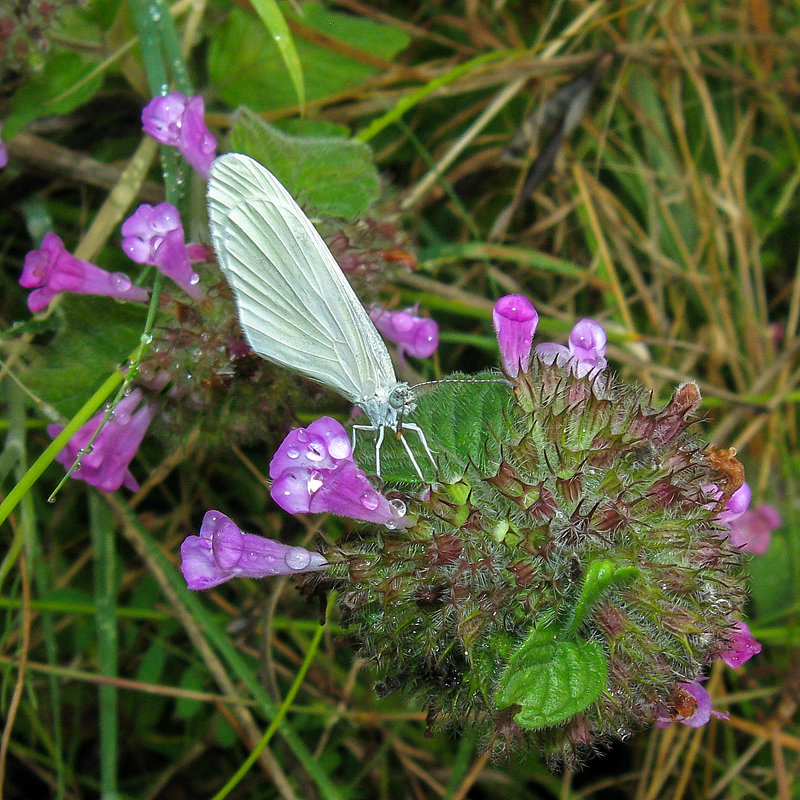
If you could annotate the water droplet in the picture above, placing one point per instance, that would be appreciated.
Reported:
(194, 280)
(120, 281)
(369, 500)
(398, 507)
(147, 338)
(293, 452)
(339, 447)
(155, 13)
(297, 558)
(277, 37)
(315, 452)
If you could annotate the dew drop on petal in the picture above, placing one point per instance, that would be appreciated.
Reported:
(369, 500)
(293, 452)
(315, 452)
(398, 507)
(120, 281)
(297, 558)
(194, 279)
(339, 447)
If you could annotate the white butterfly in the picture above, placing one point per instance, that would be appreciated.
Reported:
(295, 305)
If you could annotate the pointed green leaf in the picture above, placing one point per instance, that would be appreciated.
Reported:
(464, 417)
(602, 574)
(552, 679)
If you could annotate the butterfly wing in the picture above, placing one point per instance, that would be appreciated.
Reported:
(295, 305)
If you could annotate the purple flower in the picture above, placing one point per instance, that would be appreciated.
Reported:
(515, 320)
(154, 235)
(222, 551)
(752, 531)
(105, 465)
(737, 504)
(586, 351)
(177, 120)
(51, 270)
(418, 336)
(3, 153)
(313, 471)
(692, 707)
(743, 646)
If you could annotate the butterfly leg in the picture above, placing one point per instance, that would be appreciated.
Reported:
(411, 455)
(413, 427)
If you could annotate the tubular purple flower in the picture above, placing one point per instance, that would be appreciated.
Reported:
(3, 153)
(414, 335)
(105, 466)
(743, 646)
(51, 270)
(347, 492)
(695, 707)
(222, 551)
(313, 471)
(515, 320)
(154, 235)
(702, 713)
(752, 531)
(587, 346)
(737, 504)
(586, 351)
(177, 120)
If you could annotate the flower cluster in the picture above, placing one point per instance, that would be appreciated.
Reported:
(314, 471)
(154, 235)
(178, 120)
(222, 551)
(413, 334)
(51, 270)
(104, 463)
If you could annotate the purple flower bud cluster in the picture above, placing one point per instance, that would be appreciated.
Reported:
(178, 120)
(515, 321)
(51, 270)
(413, 334)
(222, 551)
(314, 471)
(105, 462)
(154, 235)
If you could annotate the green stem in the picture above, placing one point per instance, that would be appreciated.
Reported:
(105, 596)
(284, 707)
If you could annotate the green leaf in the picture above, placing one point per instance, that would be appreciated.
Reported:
(97, 334)
(193, 679)
(602, 574)
(273, 19)
(248, 68)
(551, 679)
(464, 418)
(330, 174)
(48, 92)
